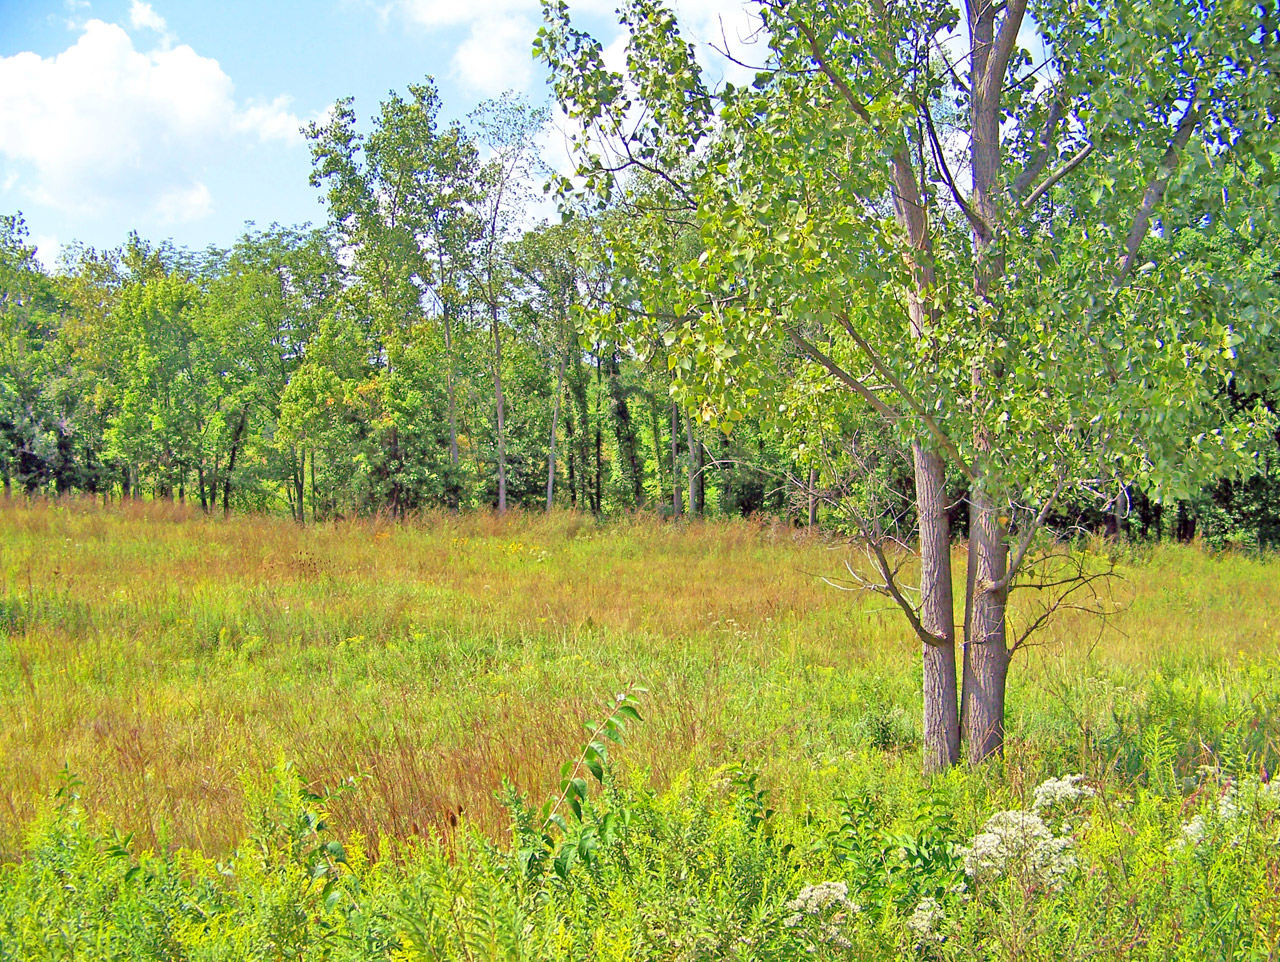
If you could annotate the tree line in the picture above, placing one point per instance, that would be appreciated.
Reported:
(420, 350)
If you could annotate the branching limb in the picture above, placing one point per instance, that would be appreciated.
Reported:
(883, 370)
(940, 159)
(1045, 142)
(1020, 553)
(855, 385)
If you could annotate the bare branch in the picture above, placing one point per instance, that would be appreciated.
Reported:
(890, 587)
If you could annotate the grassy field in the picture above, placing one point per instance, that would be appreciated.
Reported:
(172, 662)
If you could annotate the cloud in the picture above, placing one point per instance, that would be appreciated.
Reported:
(47, 249)
(496, 57)
(451, 13)
(104, 126)
(181, 204)
(143, 17)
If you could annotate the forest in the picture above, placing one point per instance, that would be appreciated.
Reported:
(424, 348)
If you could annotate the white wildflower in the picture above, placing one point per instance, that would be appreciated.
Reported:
(1193, 832)
(822, 907)
(1019, 843)
(1060, 793)
(925, 920)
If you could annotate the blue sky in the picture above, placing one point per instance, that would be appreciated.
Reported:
(179, 119)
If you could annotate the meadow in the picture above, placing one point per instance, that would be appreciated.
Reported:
(246, 738)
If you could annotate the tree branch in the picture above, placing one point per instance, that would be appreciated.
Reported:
(819, 56)
(1015, 565)
(891, 588)
(883, 370)
(939, 158)
(844, 376)
(1075, 161)
(1048, 137)
(1155, 192)
(1002, 46)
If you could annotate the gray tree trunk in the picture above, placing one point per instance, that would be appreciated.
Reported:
(697, 484)
(937, 607)
(986, 655)
(677, 496)
(986, 652)
(551, 453)
(813, 498)
(502, 414)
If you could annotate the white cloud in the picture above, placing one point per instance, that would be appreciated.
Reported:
(178, 205)
(142, 16)
(47, 249)
(105, 126)
(453, 13)
(496, 56)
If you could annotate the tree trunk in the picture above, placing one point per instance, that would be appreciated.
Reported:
(697, 486)
(813, 498)
(200, 482)
(231, 461)
(573, 457)
(677, 496)
(986, 652)
(655, 420)
(941, 717)
(986, 655)
(452, 492)
(501, 406)
(624, 431)
(551, 448)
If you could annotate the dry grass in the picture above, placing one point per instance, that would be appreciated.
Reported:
(166, 658)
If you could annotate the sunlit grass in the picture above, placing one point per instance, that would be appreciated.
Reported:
(166, 658)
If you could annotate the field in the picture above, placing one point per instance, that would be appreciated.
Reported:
(162, 673)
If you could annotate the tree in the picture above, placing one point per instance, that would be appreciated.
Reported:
(955, 229)
(508, 127)
(404, 201)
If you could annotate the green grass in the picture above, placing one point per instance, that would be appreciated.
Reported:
(173, 662)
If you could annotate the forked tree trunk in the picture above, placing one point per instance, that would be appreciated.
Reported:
(986, 654)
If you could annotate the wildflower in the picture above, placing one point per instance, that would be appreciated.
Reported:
(1193, 832)
(822, 907)
(1060, 793)
(925, 920)
(1019, 843)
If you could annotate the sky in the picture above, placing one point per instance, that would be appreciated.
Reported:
(180, 120)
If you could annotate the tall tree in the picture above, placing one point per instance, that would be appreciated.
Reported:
(885, 202)
(508, 128)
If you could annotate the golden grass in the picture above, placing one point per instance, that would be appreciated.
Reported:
(166, 658)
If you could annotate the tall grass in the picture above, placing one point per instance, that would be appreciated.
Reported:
(171, 661)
